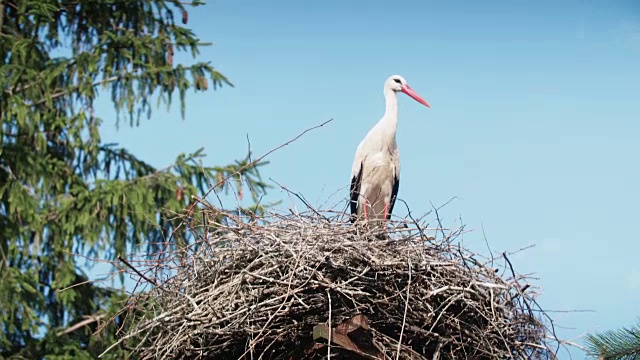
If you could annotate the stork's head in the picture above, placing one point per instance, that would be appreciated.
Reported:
(398, 83)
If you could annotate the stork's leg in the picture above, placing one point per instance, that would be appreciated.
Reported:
(366, 212)
(386, 209)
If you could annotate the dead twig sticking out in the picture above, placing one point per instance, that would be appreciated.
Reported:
(87, 321)
(137, 271)
(264, 156)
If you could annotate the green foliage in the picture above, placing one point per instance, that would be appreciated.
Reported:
(620, 344)
(62, 190)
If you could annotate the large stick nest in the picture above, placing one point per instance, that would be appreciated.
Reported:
(272, 288)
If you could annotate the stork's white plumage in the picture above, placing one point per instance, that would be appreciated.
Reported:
(375, 175)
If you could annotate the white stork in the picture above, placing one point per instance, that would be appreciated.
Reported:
(375, 175)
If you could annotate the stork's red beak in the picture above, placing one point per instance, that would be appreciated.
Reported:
(409, 91)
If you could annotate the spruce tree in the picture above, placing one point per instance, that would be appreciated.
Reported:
(63, 191)
(619, 344)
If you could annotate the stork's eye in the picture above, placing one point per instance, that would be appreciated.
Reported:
(398, 81)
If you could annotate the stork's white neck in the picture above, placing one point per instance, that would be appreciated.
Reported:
(389, 121)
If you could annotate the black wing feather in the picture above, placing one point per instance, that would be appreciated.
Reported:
(354, 190)
(394, 194)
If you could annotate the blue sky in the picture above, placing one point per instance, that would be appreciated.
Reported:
(534, 123)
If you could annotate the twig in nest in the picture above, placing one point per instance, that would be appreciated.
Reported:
(306, 203)
(406, 307)
(515, 278)
(330, 326)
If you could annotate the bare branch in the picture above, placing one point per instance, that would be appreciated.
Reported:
(265, 155)
(83, 323)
